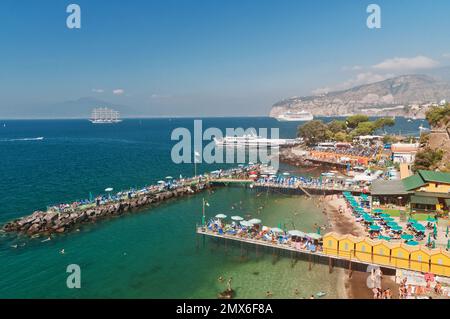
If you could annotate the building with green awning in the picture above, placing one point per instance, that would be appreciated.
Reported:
(426, 191)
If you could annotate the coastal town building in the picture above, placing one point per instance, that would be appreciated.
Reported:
(425, 191)
(404, 152)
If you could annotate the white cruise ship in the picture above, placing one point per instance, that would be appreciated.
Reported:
(254, 140)
(295, 116)
(104, 116)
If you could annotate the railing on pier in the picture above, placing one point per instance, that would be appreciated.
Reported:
(349, 257)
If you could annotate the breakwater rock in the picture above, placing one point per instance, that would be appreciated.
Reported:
(48, 222)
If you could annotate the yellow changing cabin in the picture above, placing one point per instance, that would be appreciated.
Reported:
(347, 246)
(420, 259)
(381, 252)
(330, 243)
(440, 262)
(363, 250)
(400, 256)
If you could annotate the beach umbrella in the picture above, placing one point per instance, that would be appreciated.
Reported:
(276, 230)
(378, 210)
(161, 182)
(221, 216)
(374, 228)
(407, 236)
(169, 177)
(388, 219)
(446, 231)
(384, 215)
(109, 189)
(286, 174)
(392, 224)
(412, 220)
(431, 219)
(429, 239)
(314, 236)
(397, 228)
(296, 233)
(246, 223)
(255, 221)
(412, 243)
(384, 237)
(448, 244)
(237, 218)
(252, 175)
(419, 227)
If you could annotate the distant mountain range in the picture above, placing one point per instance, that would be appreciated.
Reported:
(406, 95)
(79, 108)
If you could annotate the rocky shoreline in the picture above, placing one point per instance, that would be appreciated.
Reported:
(49, 222)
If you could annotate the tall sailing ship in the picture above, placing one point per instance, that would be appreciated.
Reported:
(103, 115)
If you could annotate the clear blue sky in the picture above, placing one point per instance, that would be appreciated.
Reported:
(209, 57)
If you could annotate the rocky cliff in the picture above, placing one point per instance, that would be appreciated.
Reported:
(407, 95)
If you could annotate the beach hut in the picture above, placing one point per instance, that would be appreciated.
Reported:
(440, 262)
(363, 250)
(420, 259)
(400, 255)
(330, 243)
(381, 252)
(346, 246)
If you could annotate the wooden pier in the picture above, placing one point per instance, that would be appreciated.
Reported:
(311, 257)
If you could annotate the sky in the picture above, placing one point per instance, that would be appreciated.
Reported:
(208, 57)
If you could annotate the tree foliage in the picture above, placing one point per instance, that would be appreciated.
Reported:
(354, 120)
(427, 159)
(439, 116)
(314, 132)
(336, 126)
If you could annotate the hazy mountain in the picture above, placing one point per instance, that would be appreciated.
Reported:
(406, 95)
(80, 108)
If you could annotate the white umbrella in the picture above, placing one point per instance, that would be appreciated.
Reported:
(252, 176)
(246, 223)
(314, 235)
(221, 216)
(161, 182)
(237, 218)
(286, 174)
(251, 163)
(255, 221)
(276, 230)
(109, 189)
(169, 177)
(296, 233)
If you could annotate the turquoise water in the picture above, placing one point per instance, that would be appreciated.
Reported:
(149, 254)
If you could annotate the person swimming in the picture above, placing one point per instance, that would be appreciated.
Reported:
(62, 252)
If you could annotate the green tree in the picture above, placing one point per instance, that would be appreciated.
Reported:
(341, 137)
(427, 159)
(314, 132)
(439, 116)
(354, 120)
(383, 122)
(364, 128)
(337, 126)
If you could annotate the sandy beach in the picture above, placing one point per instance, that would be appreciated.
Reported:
(344, 223)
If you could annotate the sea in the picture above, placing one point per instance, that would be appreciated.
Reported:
(154, 252)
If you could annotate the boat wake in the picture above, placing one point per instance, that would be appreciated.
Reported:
(22, 139)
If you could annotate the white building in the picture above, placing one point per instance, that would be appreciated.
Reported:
(404, 152)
